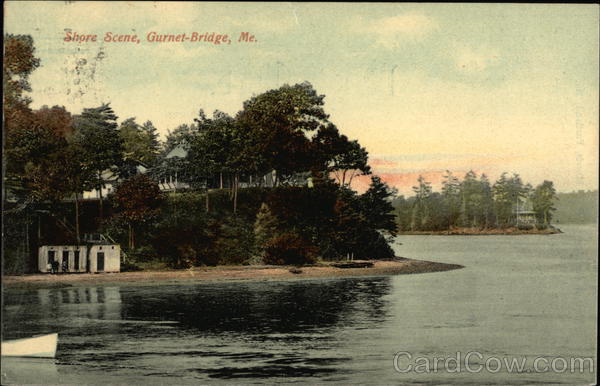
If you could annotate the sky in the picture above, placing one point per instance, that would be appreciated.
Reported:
(424, 87)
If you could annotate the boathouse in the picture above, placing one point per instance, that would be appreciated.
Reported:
(79, 258)
(524, 213)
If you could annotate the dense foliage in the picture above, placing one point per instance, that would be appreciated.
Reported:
(475, 203)
(577, 207)
(268, 185)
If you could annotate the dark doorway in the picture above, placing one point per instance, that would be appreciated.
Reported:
(76, 261)
(65, 261)
(100, 262)
(51, 255)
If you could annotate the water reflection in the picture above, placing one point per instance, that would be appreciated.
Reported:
(42, 311)
(262, 307)
(209, 331)
(518, 296)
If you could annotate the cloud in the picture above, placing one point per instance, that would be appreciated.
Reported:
(392, 30)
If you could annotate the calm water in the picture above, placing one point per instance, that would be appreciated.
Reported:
(518, 297)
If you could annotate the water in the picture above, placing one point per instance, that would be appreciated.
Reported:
(518, 297)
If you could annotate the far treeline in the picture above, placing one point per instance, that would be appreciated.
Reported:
(577, 207)
(474, 202)
(228, 213)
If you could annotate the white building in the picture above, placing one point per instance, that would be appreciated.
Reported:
(80, 258)
(110, 180)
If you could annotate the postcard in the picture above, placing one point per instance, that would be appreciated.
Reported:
(387, 193)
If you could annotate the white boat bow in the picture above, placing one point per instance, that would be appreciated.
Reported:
(43, 346)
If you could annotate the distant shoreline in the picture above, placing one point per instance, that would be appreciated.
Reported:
(483, 232)
(199, 275)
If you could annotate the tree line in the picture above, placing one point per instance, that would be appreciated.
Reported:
(579, 207)
(51, 155)
(474, 202)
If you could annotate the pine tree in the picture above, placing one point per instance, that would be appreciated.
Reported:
(377, 207)
(451, 198)
(420, 212)
(97, 134)
(543, 198)
(266, 226)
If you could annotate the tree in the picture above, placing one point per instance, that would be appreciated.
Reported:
(26, 150)
(56, 119)
(451, 195)
(420, 211)
(221, 149)
(33, 153)
(377, 207)
(507, 194)
(487, 201)
(403, 208)
(77, 176)
(140, 145)
(97, 134)
(472, 200)
(348, 224)
(60, 174)
(21, 144)
(543, 198)
(153, 142)
(276, 124)
(212, 150)
(137, 200)
(19, 62)
(266, 226)
(339, 155)
(179, 137)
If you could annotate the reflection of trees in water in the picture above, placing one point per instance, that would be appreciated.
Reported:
(262, 307)
(280, 307)
(62, 310)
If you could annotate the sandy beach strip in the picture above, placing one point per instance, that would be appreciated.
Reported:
(223, 274)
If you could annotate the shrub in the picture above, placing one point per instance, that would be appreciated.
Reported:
(289, 248)
(128, 266)
(266, 227)
(143, 253)
(373, 246)
(234, 241)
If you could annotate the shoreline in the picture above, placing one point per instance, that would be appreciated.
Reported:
(483, 232)
(220, 274)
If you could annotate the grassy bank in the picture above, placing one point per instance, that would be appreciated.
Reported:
(223, 274)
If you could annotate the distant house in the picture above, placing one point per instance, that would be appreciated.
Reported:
(171, 182)
(178, 151)
(110, 180)
(524, 213)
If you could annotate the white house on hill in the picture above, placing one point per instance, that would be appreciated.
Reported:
(110, 179)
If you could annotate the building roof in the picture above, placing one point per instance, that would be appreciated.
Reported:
(177, 151)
